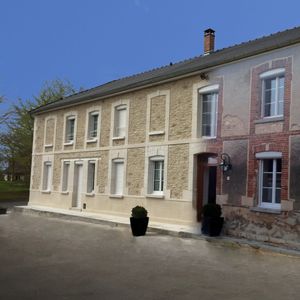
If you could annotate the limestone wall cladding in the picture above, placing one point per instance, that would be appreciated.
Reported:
(56, 174)
(50, 127)
(178, 162)
(105, 123)
(36, 172)
(81, 127)
(283, 228)
(137, 117)
(157, 113)
(180, 116)
(135, 171)
(59, 136)
(39, 133)
(102, 172)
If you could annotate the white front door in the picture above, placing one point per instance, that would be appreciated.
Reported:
(77, 189)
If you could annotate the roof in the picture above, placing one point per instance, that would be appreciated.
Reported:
(196, 64)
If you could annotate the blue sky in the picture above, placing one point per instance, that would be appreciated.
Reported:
(90, 42)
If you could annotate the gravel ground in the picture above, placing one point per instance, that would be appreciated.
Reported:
(47, 258)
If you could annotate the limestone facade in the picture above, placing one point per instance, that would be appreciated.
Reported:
(163, 123)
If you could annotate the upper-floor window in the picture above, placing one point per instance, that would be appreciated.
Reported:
(93, 125)
(70, 129)
(269, 179)
(120, 121)
(272, 93)
(208, 111)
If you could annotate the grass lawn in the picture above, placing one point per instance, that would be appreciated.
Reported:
(13, 191)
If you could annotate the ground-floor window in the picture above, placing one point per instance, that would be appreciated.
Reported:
(117, 179)
(65, 177)
(156, 175)
(91, 176)
(47, 176)
(270, 183)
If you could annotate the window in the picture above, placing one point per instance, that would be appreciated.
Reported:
(117, 176)
(47, 176)
(270, 183)
(70, 129)
(93, 125)
(208, 111)
(91, 177)
(272, 93)
(120, 121)
(65, 177)
(156, 175)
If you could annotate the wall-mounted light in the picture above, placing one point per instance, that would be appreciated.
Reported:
(225, 165)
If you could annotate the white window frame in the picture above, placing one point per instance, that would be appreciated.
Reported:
(65, 176)
(274, 156)
(90, 124)
(214, 90)
(269, 75)
(114, 178)
(116, 130)
(67, 140)
(47, 176)
(90, 188)
(152, 161)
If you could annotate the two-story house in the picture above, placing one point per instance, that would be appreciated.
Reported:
(165, 139)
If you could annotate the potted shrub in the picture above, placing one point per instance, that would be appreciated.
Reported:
(3, 210)
(139, 221)
(212, 222)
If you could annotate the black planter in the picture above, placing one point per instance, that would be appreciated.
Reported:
(3, 210)
(212, 226)
(139, 226)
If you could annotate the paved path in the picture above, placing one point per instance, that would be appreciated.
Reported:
(44, 258)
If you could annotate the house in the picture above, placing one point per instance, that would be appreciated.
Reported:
(167, 139)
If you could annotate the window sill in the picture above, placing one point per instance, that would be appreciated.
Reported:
(92, 141)
(65, 193)
(90, 194)
(208, 137)
(117, 138)
(68, 143)
(155, 196)
(156, 132)
(269, 120)
(266, 210)
(116, 196)
(46, 192)
(49, 146)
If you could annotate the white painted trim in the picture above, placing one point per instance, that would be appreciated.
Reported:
(158, 93)
(209, 89)
(69, 116)
(93, 110)
(272, 73)
(157, 132)
(268, 155)
(119, 104)
(54, 117)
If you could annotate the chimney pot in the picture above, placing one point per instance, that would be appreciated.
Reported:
(209, 41)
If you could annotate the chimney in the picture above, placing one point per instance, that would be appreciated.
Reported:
(209, 41)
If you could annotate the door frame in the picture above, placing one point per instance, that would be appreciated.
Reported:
(202, 167)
